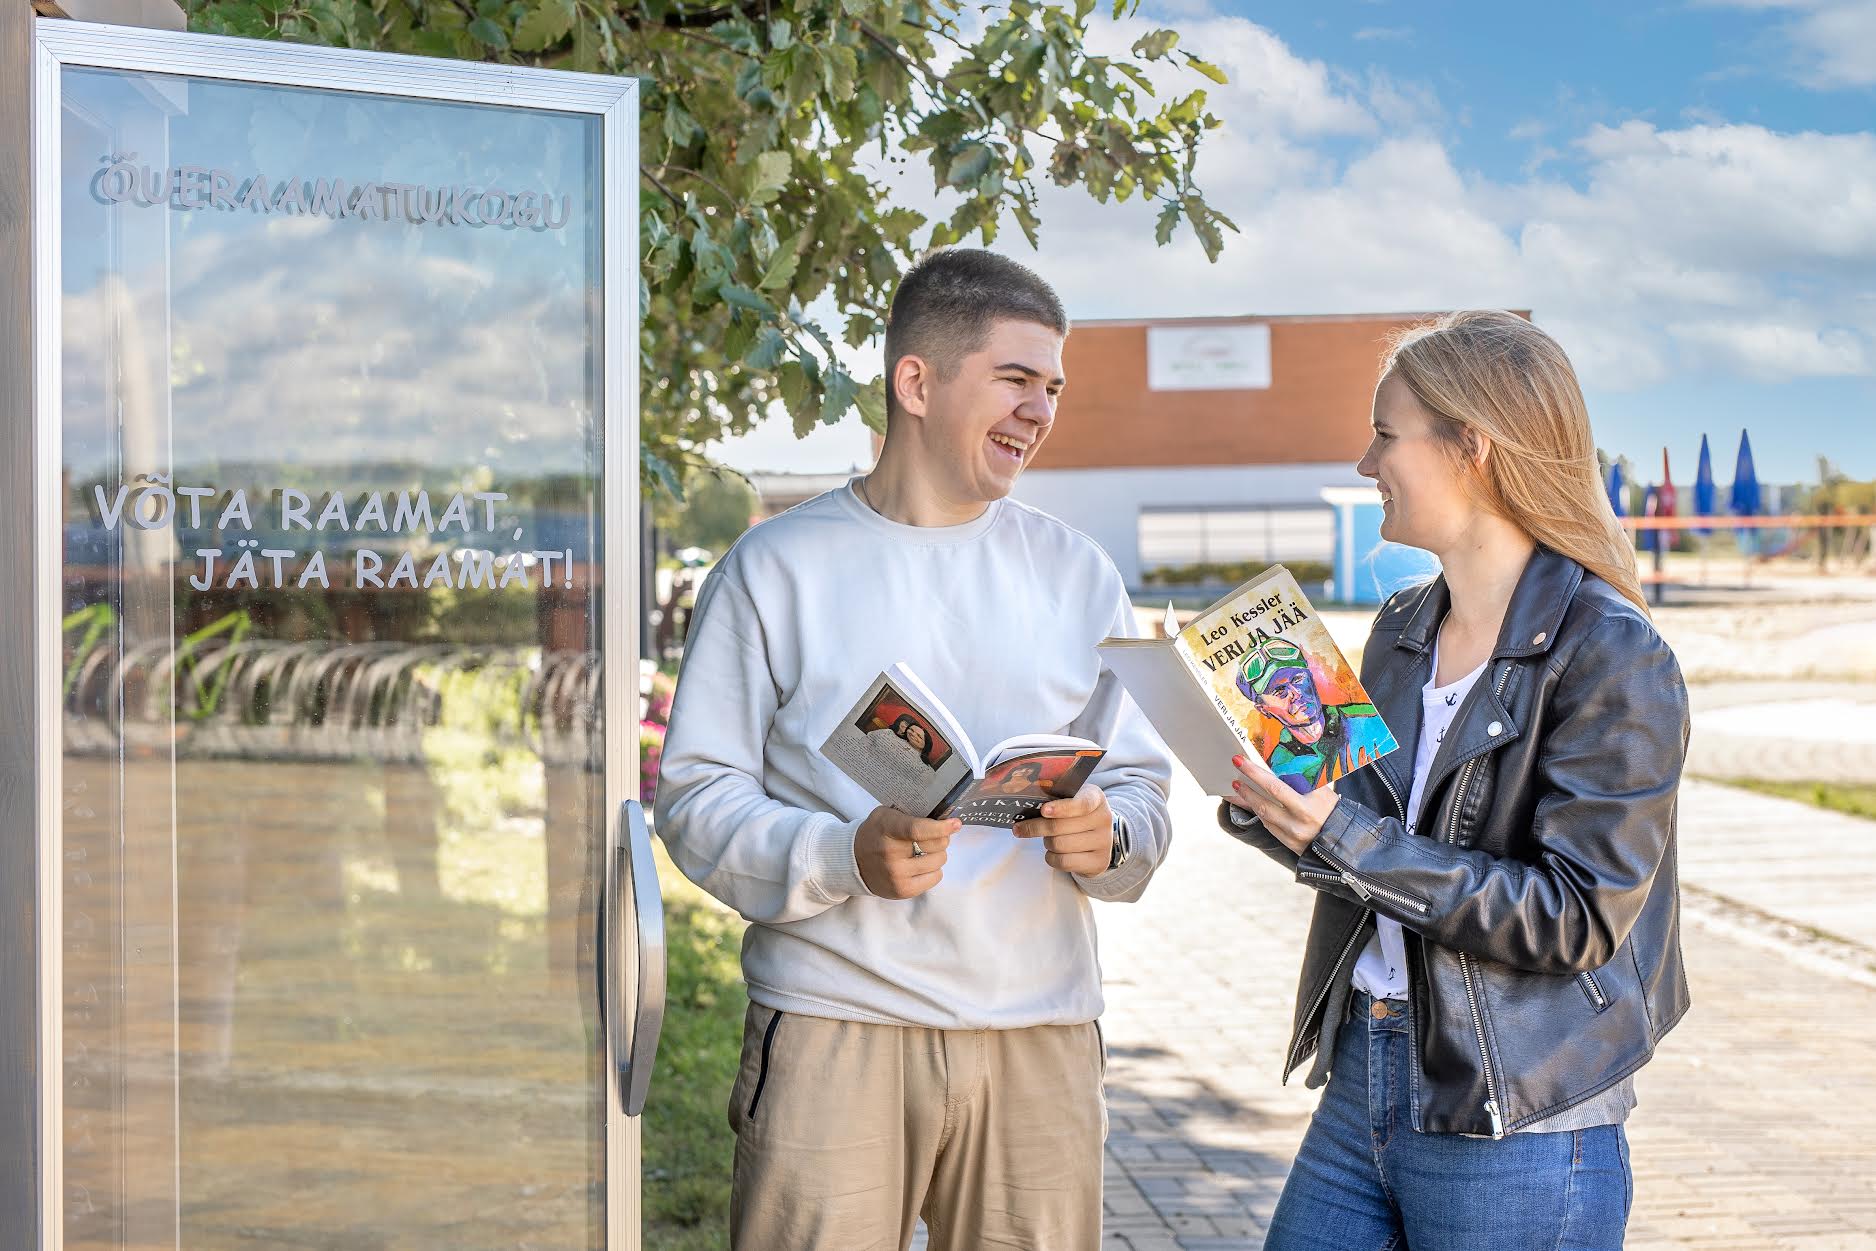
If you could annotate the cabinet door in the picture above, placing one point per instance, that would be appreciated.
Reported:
(341, 478)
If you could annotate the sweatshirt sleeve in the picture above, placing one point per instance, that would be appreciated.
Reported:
(770, 861)
(1136, 774)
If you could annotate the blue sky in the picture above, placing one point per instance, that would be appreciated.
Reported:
(1684, 193)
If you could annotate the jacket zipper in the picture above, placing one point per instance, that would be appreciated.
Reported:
(1590, 988)
(1296, 1047)
(1465, 961)
(1368, 890)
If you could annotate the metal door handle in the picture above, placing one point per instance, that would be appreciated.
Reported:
(631, 867)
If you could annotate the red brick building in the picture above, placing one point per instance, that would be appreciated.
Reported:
(1194, 440)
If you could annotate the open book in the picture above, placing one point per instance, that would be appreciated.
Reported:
(905, 748)
(1254, 674)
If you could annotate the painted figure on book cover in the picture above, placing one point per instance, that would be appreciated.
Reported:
(1318, 742)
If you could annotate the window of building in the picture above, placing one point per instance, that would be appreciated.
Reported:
(1192, 545)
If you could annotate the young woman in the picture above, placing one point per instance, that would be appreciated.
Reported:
(1496, 945)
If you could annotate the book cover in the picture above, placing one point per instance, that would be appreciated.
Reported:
(1274, 673)
(1016, 788)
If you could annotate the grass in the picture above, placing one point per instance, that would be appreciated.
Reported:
(687, 1141)
(1855, 799)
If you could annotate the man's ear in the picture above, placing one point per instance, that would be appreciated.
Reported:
(912, 379)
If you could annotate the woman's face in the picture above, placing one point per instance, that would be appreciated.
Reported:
(914, 733)
(1423, 494)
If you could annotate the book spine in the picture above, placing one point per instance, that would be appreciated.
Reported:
(952, 796)
(1198, 675)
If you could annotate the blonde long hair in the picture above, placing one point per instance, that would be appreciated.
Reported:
(1497, 374)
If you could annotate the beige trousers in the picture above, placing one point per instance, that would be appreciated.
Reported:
(847, 1133)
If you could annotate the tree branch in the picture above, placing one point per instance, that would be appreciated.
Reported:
(668, 193)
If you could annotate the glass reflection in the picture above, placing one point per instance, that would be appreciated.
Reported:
(332, 807)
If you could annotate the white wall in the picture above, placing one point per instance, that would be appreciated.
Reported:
(1105, 504)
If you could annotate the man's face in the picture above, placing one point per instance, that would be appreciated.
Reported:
(915, 735)
(980, 427)
(1291, 698)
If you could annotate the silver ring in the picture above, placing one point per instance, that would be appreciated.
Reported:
(917, 851)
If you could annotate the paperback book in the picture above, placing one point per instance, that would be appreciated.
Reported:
(1257, 674)
(907, 750)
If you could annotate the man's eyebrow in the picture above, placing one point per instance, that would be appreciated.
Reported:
(1028, 371)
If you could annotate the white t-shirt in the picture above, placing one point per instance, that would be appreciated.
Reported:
(1000, 617)
(1382, 970)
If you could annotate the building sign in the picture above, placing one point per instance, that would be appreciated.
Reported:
(1208, 358)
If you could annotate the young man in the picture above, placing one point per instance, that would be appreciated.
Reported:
(920, 1038)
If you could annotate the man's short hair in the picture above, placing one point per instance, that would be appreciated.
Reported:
(948, 301)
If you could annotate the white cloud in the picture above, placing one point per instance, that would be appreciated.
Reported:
(1770, 350)
(1656, 254)
(1272, 90)
(1710, 249)
(1833, 41)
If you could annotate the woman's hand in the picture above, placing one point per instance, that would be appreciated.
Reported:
(1294, 819)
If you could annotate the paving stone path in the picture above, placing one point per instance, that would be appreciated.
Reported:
(1755, 1118)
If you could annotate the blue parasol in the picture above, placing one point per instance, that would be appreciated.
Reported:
(1745, 494)
(1704, 495)
(1615, 489)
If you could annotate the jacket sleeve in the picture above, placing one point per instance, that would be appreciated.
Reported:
(1309, 868)
(1135, 775)
(771, 861)
(1609, 770)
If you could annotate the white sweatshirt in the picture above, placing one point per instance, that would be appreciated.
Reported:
(1000, 617)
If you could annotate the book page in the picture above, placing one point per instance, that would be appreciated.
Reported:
(901, 752)
(1181, 711)
(1271, 668)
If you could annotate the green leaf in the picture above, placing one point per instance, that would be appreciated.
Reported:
(1208, 69)
(771, 175)
(740, 336)
(837, 397)
(739, 296)
(768, 349)
(1168, 222)
(971, 163)
(489, 33)
(546, 24)
(839, 68)
(794, 384)
(1156, 45)
(680, 128)
(781, 270)
(660, 471)
(871, 400)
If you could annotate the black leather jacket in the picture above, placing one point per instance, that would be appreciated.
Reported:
(1538, 894)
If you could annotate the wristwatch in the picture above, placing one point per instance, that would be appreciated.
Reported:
(1123, 846)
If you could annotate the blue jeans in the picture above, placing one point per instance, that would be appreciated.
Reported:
(1364, 1180)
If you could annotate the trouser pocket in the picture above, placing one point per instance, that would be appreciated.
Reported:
(762, 1070)
(760, 1025)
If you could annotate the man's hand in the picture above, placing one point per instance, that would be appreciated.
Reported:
(1078, 832)
(901, 856)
